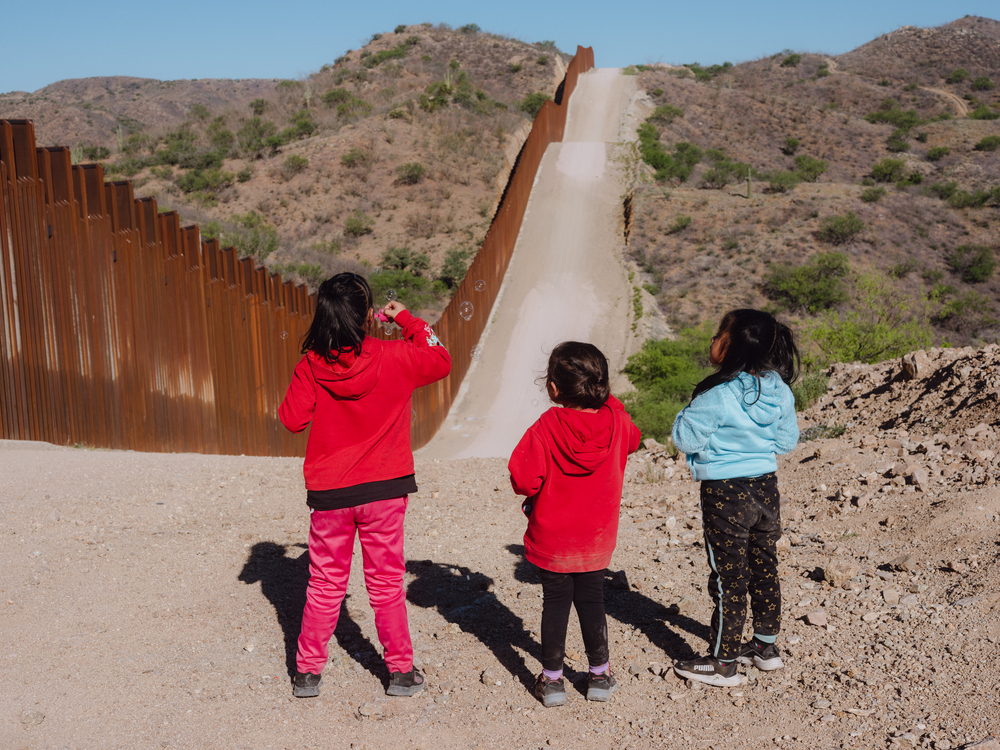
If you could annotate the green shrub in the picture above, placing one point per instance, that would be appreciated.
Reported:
(454, 267)
(872, 194)
(204, 180)
(982, 83)
(514, 67)
(937, 153)
(531, 105)
(359, 224)
(790, 146)
(355, 106)
(410, 173)
(888, 170)
(258, 107)
(978, 199)
(336, 96)
(470, 28)
(782, 182)
(881, 323)
(396, 53)
(723, 171)
(666, 114)
(664, 374)
(957, 76)
(809, 168)
(813, 286)
(966, 313)
(252, 137)
(294, 165)
(680, 223)
(904, 268)
(248, 233)
(982, 112)
(836, 230)
(942, 190)
(399, 29)
(808, 388)
(989, 143)
(411, 290)
(791, 61)
(95, 153)
(356, 157)
(896, 142)
(974, 263)
(542, 60)
(902, 120)
(678, 165)
(921, 137)
(404, 259)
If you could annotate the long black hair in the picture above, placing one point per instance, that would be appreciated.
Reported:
(341, 321)
(580, 372)
(754, 343)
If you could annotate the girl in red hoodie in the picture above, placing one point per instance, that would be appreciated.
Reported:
(355, 390)
(571, 466)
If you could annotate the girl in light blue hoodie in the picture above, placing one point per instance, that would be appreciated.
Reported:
(739, 419)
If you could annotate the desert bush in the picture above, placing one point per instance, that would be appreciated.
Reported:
(678, 165)
(982, 112)
(258, 107)
(514, 67)
(531, 105)
(404, 259)
(666, 114)
(358, 224)
(808, 388)
(937, 153)
(882, 322)
(204, 180)
(396, 53)
(356, 158)
(896, 142)
(888, 170)
(901, 119)
(410, 173)
(809, 168)
(974, 263)
(679, 224)
(872, 194)
(470, 28)
(989, 143)
(942, 190)
(913, 178)
(982, 83)
(95, 153)
(412, 290)
(294, 165)
(966, 313)
(816, 285)
(791, 61)
(904, 268)
(977, 199)
(335, 96)
(782, 181)
(252, 137)
(790, 146)
(399, 29)
(957, 76)
(454, 267)
(724, 170)
(248, 233)
(355, 106)
(542, 60)
(664, 374)
(836, 230)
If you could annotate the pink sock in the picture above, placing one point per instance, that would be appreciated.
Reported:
(605, 667)
(553, 674)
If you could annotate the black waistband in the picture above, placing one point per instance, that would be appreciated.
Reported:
(359, 494)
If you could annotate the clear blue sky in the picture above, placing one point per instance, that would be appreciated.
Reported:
(48, 40)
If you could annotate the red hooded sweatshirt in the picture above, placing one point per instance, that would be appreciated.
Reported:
(571, 465)
(360, 409)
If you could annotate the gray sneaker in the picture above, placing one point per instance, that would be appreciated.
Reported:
(550, 692)
(709, 670)
(601, 686)
(764, 656)
(306, 684)
(406, 684)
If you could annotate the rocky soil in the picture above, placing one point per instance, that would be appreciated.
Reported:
(153, 600)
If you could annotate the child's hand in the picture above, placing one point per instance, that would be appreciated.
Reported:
(392, 309)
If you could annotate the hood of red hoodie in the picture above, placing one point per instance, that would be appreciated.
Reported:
(582, 440)
(350, 377)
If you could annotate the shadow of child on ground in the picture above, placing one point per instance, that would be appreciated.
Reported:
(283, 582)
(462, 596)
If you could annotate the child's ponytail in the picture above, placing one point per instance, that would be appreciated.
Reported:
(341, 323)
(579, 372)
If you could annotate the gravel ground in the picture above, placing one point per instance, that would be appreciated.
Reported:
(153, 600)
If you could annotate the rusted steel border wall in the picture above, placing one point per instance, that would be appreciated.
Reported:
(122, 329)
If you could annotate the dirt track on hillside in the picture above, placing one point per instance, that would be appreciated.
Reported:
(566, 280)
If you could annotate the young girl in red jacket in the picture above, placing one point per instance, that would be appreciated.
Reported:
(355, 391)
(571, 466)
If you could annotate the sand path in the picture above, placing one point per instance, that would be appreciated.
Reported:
(565, 281)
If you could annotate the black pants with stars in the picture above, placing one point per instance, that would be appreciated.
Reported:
(742, 521)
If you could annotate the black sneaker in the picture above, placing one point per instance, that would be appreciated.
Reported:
(764, 656)
(306, 684)
(550, 692)
(601, 686)
(405, 683)
(709, 670)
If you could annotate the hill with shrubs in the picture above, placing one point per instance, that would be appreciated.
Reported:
(857, 196)
(391, 157)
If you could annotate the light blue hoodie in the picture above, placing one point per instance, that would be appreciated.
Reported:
(728, 432)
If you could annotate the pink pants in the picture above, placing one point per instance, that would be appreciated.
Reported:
(331, 543)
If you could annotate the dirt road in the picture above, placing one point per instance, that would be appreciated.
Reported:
(565, 281)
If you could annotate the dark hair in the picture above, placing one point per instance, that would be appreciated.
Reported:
(341, 320)
(580, 372)
(756, 343)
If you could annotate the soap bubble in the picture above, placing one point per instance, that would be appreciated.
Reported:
(465, 310)
(534, 402)
(477, 352)
(377, 269)
(413, 416)
(390, 294)
(480, 285)
(283, 335)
